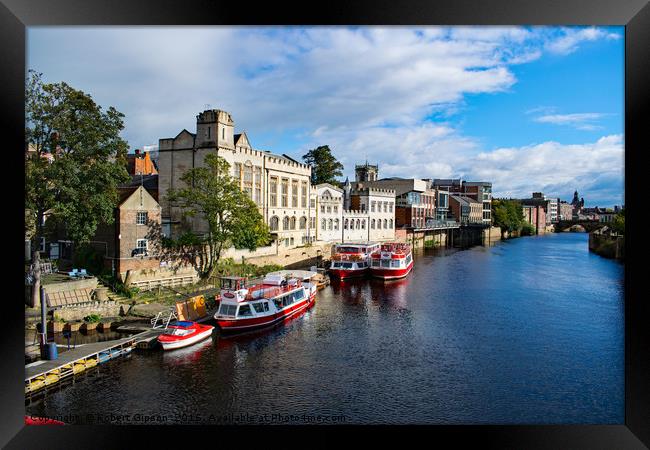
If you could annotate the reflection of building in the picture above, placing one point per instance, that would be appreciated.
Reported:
(279, 185)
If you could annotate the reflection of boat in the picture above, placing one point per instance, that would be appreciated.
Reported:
(352, 260)
(395, 260)
(182, 334)
(278, 297)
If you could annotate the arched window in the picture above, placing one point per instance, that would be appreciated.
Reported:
(285, 223)
(390, 223)
(323, 224)
(274, 223)
(303, 222)
(358, 224)
(385, 223)
(363, 224)
(346, 224)
(379, 224)
(352, 224)
(336, 224)
(372, 224)
(329, 225)
(293, 223)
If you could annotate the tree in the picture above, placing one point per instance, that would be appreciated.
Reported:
(508, 215)
(325, 168)
(79, 159)
(618, 223)
(233, 219)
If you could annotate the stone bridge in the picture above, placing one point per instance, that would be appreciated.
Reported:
(588, 225)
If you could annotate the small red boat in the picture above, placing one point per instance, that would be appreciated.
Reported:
(184, 333)
(352, 260)
(395, 260)
(278, 297)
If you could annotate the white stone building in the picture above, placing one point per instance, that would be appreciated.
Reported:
(279, 185)
(328, 212)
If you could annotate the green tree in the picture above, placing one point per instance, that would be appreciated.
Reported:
(233, 219)
(325, 168)
(508, 215)
(78, 161)
(618, 223)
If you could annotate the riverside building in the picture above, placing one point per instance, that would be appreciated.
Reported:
(279, 185)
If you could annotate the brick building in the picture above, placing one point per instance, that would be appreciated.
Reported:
(140, 163)
(466, 210)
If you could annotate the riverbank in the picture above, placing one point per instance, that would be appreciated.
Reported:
(607, 246)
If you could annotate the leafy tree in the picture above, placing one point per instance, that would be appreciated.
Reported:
(233, 219)
(325, 168)
(618, 223)
(508, 215)
(79, 159)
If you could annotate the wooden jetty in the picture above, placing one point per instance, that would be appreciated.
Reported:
(45, 373)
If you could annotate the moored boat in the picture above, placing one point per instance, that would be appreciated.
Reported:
(352, 259)
(393, 261)
(184, 333)
(278, 297)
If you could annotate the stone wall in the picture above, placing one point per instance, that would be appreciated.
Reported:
(79, 312)
(292, 256)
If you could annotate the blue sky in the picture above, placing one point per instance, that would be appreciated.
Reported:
(528, 108)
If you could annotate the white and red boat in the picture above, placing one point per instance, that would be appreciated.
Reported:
(394, 260)
(352, 260)
(278, 297)
(184, 333)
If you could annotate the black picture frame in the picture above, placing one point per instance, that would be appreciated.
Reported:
(15, 15)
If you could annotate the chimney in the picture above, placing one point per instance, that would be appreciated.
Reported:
(137, 151)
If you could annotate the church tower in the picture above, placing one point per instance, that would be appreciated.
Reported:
(215, 128)
(366, 172)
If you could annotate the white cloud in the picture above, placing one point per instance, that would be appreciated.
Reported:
(571, 38)
(555, 169)
(580, 121)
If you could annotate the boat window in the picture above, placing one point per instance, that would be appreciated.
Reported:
(266, 306)
(346, 265)
(335, 264)
(385, 263)
(278, 302)
(227, 310)
(245, 310)
(395, 263)
(299, 295)
(375, 263)
(287, 300)
(179, 332)
(259, 307)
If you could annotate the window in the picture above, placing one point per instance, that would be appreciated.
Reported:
(259, 307)
(285, 223)
(238, 172)
(142, 218)
(390, 223)
(294, 193)
(292, 224)
(372, 224)
(303, 195)
(323, 224)
(363, 224)
(346, 224)
(141, 243)
(274, 223)
(273, 188)
(329, 210)
(336, 209)
(258, 185)
(245, 310)
(227, 310)
(291, 240)
(352, 224)
(330, 224)
(372, 206)
(379, 224)
(312, 203)
(385, 223)
(303, 222)
(322, 209)
(312, 222)
(336, 224)
(223, 133)
(285, 192)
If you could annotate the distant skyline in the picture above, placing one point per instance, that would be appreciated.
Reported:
(527, 108)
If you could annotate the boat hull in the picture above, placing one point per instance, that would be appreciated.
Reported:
(234, 324)
(193, 339)
(344, 274)
(390, 274)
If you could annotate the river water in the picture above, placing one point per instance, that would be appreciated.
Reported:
(527, 331)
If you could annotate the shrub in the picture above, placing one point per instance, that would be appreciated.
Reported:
(92, 318)
(527, 229)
